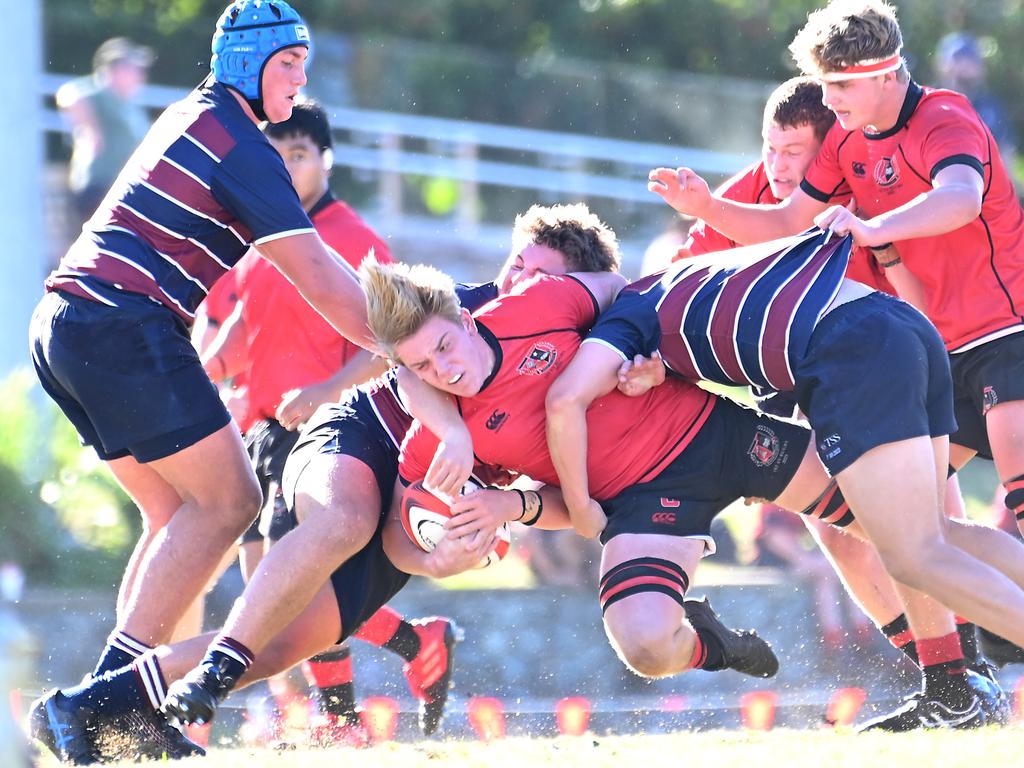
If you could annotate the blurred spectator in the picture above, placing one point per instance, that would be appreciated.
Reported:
(106, 122)
(960, 66)
(560, 558)
(782, 541)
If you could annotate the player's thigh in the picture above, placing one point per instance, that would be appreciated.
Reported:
(1005, 423)
(214, 472)
(155, 497)
(640, 581)
(339, 491)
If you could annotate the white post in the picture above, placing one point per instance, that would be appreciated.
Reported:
(23, 241)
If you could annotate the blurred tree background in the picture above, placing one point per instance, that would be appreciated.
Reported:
(63, 518)
(495, 60)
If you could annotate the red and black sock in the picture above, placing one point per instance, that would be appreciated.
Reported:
(968, 639)
(898, 633)
(387, 629)
(945, 673)
(330, 674)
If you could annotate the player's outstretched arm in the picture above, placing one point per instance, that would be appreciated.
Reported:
(325, 280)
(744, 223)
(453, 461)
(297, 405)
(954, 201)
(592, 373)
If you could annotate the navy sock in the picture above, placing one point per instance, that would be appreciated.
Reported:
(120, 651)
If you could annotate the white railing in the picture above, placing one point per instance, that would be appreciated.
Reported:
(474, 154)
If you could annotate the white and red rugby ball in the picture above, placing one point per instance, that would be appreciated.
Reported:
(425, 513)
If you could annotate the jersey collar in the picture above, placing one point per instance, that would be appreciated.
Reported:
(492, 342)
(913, 97)
(322, 203)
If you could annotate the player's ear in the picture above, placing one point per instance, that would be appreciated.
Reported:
(467, 320)
(327, 159)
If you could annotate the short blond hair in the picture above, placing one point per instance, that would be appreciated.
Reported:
(400, 299)
(586, 242)
(845, 33)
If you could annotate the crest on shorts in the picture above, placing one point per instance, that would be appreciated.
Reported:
(989, 398)
(540, 359)
(887, 172)
(765, 448)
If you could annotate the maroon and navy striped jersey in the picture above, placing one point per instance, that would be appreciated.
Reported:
(737, 317)
(202, 187)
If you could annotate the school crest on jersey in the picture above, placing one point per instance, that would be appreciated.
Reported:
(764, 450)
(539, 360)
(887, 172)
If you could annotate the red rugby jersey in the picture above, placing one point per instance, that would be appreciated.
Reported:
(289, 343)
(535, 331)
(973, 277)
(751, 186)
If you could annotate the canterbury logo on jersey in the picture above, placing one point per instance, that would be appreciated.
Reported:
(496, 420)
(665, 518)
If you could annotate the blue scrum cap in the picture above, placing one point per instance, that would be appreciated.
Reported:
(248, 33)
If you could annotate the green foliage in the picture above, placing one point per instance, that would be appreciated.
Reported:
(63, 517)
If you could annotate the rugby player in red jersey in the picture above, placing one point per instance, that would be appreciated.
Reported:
(663, 466)
(786, 319)
(795, 125)
(926, 175)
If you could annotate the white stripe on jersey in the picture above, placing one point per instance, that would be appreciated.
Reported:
(186, 171)
(202, 146)
(93, 293)
(279, 235)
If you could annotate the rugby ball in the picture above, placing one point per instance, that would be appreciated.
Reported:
(424, 515)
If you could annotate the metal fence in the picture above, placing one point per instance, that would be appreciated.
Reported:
(389, 148)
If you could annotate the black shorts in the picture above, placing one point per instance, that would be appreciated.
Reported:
(269, 444)
(737, 453)
(983, 377)
(876, 371)
(127, 377)
(368, 579)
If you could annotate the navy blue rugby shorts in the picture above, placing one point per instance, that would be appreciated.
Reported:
(875, 372)
(127, 377)
(368, 579)
(983, 377)
(737, 453)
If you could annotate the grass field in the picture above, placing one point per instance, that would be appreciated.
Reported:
(993, 748)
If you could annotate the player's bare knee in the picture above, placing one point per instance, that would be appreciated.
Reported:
(911, 567)
(647, 655)
(339, 530)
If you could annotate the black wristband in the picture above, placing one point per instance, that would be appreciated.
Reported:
(522, 498)
(540, 509)
(882, 247)
(887, 264)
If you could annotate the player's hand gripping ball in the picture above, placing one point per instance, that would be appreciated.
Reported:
(424, 515)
